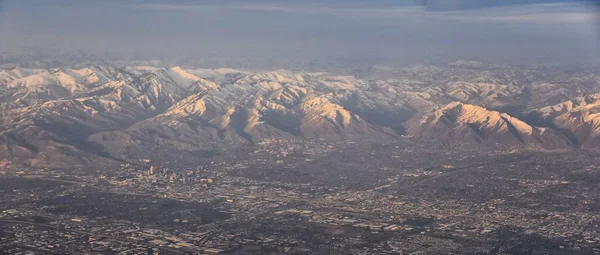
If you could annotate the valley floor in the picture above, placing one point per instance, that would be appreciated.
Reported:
(311, 198)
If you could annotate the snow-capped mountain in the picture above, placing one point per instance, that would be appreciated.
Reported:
(459, 121)
(578, 119)
(69, 115)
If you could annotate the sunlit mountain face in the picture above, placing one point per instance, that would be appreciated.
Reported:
(57, 112)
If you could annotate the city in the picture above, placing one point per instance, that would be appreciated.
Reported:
(414, 200)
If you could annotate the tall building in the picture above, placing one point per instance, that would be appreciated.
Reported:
(151, 171)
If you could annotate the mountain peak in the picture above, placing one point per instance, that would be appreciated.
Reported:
(120, 108)
(458, 120)
(193, 104)
(578, 119)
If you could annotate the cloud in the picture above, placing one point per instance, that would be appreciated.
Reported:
(285, 30)
(196, 7)
(507, 13)
(540, 16)
(453, 5)
(552, 18)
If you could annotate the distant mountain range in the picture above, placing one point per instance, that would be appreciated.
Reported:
(74, 116)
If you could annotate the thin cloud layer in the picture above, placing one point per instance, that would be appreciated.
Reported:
(292, 31)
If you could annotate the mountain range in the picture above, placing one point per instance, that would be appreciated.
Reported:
(66, 116)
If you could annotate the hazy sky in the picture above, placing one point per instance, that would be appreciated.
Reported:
(395, 31)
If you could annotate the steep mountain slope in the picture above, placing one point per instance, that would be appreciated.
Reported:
(578, 119)
(56, 129)
(275, 111)
(458, 121)
(47, 115)
(73, 115)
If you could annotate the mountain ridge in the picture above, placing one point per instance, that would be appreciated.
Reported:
(52, 114)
